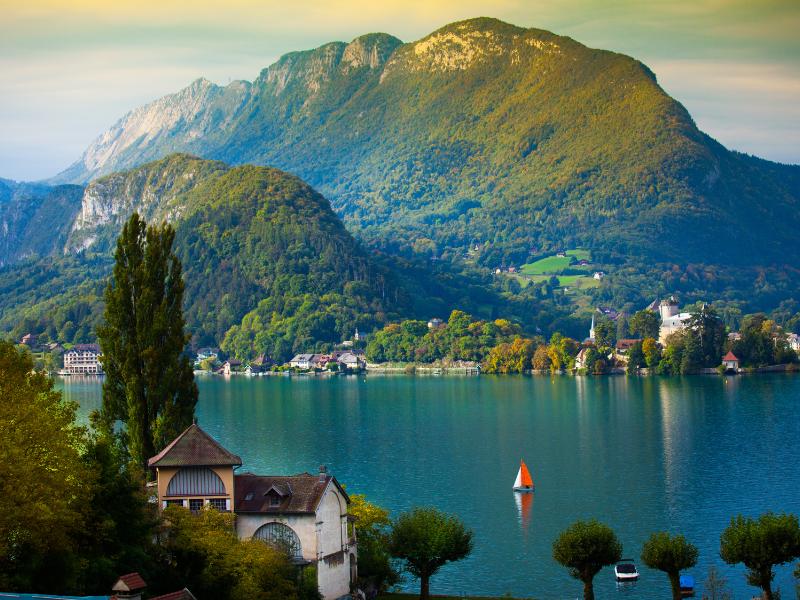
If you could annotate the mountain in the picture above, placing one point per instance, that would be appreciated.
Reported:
(484, 132)
(265, 259)
(37, 224)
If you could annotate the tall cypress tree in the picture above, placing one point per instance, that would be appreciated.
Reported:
(149, 381)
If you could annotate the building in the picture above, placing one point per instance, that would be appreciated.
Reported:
(583, 262)
(561, 255)
(305, 513)
(30, 340)
(229, 366)
(359, 337)
(205, 353)
(794, 341)
(730, 362)
(591, 333)
(83, 359)
(671, 319)
(433, 323)
(301, 361)
(351, 361)
(599, 275)
(623, 346)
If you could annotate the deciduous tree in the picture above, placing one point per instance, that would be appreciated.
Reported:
(671, 554)
(426, 539)
(645, 324)
(373, 534)
(149, 380)
(761, 544)
(584, 548)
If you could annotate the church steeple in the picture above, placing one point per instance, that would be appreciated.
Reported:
(591, 331)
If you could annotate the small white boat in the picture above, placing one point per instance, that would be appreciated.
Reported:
(626, 570)
(523, 483)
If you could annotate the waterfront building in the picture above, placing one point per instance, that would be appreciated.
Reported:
(83, 359)
(305, 513)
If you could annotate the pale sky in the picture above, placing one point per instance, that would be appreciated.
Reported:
(70, 70)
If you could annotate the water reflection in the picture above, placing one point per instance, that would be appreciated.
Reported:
(524, 502)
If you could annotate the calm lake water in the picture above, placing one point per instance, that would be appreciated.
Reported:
(682, 454)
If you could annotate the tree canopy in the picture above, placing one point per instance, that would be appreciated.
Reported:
(426, 539)
(149, 382)
(761, 544)
(671, 554)
(584, 548)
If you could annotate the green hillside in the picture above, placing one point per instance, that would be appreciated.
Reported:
(250, 238)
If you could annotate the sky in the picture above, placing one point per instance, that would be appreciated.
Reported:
(70, 69)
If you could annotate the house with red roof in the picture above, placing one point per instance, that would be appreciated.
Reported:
(730, 362)
(305, 514)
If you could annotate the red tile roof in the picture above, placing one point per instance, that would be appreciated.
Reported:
(306, 492)
(184, 594)
(194, 447)
(730, 356)
(130, 583)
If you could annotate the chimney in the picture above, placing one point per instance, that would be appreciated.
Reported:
(323, 472)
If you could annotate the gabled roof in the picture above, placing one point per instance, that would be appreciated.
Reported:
(184, 594)
(730, 356)
(194, 447)
(84, 348)
(129, 583)
(302, 357)
(306, 492)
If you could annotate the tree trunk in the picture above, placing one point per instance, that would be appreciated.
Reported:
(675, 582)
(424, 593)
(588, 589)
(767, 591)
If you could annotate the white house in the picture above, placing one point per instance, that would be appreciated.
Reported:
(433, 323)
(304, 514)
(83, 359)
(599, 275)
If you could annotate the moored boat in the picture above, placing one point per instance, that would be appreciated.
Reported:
(626, 570)
(687, 586)
(523, 483)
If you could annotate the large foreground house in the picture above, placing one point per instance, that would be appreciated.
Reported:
(305, 513)
(83, 359)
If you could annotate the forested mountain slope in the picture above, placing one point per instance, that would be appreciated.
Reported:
(249, 238)
(483, 131)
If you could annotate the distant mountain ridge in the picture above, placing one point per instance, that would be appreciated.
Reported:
(482, 132)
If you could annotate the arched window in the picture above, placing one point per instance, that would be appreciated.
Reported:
(280, 537)
(196, 481)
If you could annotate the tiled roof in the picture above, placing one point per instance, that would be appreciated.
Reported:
(129, 583)
(184, 594)
(730, 356)
(85, 348)
(302, 358)
(306, 492)
(625, 344)
(194, 447)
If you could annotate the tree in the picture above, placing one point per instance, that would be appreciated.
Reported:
(372, 530)
(671, 554)
(760, 544)
(652, 354)
(44, 481)
(149, 379)
(426, 539)
(711, 332)
(604, 335)
(645, 323)
(636, 358)
(715, 586)
(209, 364)
(584, 548)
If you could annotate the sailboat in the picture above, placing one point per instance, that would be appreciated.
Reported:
(523, 483)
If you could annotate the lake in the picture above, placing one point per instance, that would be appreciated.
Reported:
(641, 454)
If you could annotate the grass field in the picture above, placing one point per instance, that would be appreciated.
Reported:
(553, 263)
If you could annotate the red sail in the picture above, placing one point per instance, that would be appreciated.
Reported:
(526, 477)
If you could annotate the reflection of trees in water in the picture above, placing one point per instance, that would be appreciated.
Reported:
(281, 537)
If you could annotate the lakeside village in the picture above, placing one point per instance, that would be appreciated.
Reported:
(666, 341)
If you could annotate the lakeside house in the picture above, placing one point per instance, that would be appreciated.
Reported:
(302, 361)
(229, 366)
(623, 346)
(83, 359)
(307, 512)
(730, 362)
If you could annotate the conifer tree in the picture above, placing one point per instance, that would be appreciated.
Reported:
(149, 381)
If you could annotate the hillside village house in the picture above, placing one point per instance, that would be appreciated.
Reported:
(30, 340)
(433, 323)
(83, 359)
(306, 512)
(359, 337)
(206, 353)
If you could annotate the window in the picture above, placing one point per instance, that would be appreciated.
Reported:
(274, 500)
(249, 497)
(195, 504)
(218, 503)
(280, 537)
(174, 502)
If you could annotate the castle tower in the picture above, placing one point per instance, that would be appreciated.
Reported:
(668, 308)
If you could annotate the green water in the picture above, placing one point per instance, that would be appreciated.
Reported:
(640, 454)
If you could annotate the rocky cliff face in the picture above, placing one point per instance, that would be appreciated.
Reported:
(152, 190)
(37, 224)
(176, 121)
